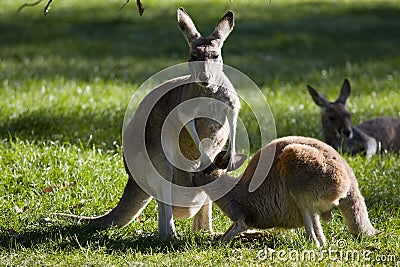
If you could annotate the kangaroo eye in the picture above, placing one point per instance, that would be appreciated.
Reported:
(194, 58)
(332, 118)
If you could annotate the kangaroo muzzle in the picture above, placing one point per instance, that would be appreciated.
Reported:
(347, 132)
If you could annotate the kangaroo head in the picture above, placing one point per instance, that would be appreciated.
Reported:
(336, 120)
(205, 60)
(220, 163)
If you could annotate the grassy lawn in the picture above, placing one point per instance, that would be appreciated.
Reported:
(66, 80)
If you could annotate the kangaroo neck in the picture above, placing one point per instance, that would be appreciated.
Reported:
(332, 138)
(224, 201)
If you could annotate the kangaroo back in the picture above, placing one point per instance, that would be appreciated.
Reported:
(386, 132)
(311, 174)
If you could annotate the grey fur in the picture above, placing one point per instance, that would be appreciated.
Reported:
(377, 134)
(204, 82)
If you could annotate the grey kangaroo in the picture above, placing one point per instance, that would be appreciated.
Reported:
(382, 133)
(307, 179)
(207, 80)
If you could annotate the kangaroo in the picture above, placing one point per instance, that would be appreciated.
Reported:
(207, 80)
(307, 179)
(382, 133)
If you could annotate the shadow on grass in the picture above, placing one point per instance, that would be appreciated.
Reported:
(68, 237)
(83, 236)
(74, 237)
(304, 37)
(86, 128)
(78, 128)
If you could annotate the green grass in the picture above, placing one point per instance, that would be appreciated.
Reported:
(67, 78)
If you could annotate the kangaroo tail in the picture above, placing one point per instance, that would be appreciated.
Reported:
(131, 204)
(355, 213)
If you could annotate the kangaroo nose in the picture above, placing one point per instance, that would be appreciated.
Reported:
(347, 132)
(203, 77)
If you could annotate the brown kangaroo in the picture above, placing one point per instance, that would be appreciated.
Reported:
(307, 179)
(206, 81)
(382, 133)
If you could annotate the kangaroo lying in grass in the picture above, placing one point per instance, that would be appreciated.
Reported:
(207, 80)
(307, 179)
(381, 133)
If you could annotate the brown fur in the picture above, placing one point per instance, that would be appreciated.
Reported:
(306, 181)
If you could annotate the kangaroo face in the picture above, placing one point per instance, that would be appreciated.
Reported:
(205, 60)
(336, 120)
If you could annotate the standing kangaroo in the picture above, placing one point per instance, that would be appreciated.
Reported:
(306, 180)
(206, 81)
(382, 133)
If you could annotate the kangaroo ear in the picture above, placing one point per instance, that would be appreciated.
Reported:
(345, 92)
(218, 160)
(319, 99)
(223, 28)
(187, 26)
(238, 161)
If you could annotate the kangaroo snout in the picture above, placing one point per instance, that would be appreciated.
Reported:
(347, 132)
(203, 74)
(203, 78)
(206, 73)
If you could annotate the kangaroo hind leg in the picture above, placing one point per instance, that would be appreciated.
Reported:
(166, 226)
(312, 225)
(202, 219)
(236, 228)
